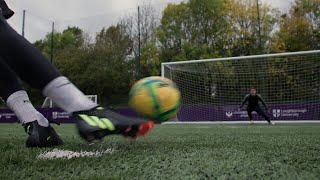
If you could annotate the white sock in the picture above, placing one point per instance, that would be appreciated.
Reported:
(67, 96)
(20, 104)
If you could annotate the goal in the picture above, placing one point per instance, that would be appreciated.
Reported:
(213, 89)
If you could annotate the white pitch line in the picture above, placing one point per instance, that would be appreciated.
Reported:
(66, 154)
(241, 122)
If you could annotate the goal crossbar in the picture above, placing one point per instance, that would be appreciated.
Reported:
(239, 58)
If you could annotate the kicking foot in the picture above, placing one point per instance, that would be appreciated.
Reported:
(40, 136)
(272, 123)
(99, 122)
(251, 122)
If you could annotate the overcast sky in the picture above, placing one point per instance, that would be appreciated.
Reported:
(90, 15)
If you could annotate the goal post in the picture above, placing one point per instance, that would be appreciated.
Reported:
(212, 89)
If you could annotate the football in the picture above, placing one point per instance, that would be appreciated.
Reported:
(156, 98)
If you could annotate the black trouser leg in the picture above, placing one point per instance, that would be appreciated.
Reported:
(250, 114)
(9, 82)
(262, 114)
(24, 59)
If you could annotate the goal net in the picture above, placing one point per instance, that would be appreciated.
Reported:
(213, 89)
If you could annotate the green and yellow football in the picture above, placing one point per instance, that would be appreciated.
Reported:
(156, 98)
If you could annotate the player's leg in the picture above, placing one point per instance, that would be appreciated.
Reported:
(249, 111)
(18, 101)
(33, 68)
(263, 114)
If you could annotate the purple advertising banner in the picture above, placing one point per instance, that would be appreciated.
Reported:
(197, 113)
(233, 113)
(55, 114)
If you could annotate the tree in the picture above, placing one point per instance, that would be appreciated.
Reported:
(150, 60)
(218, 28)
(193, 30)
(208, 22)
(72, 36)
(174, 31)
(248, 29)
(143, 38)
(102, 68)
(299, 29)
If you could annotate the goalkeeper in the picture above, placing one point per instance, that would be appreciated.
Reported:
(19, 59)
(252, 101)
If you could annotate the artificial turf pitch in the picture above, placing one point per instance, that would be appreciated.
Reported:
(174, 152)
